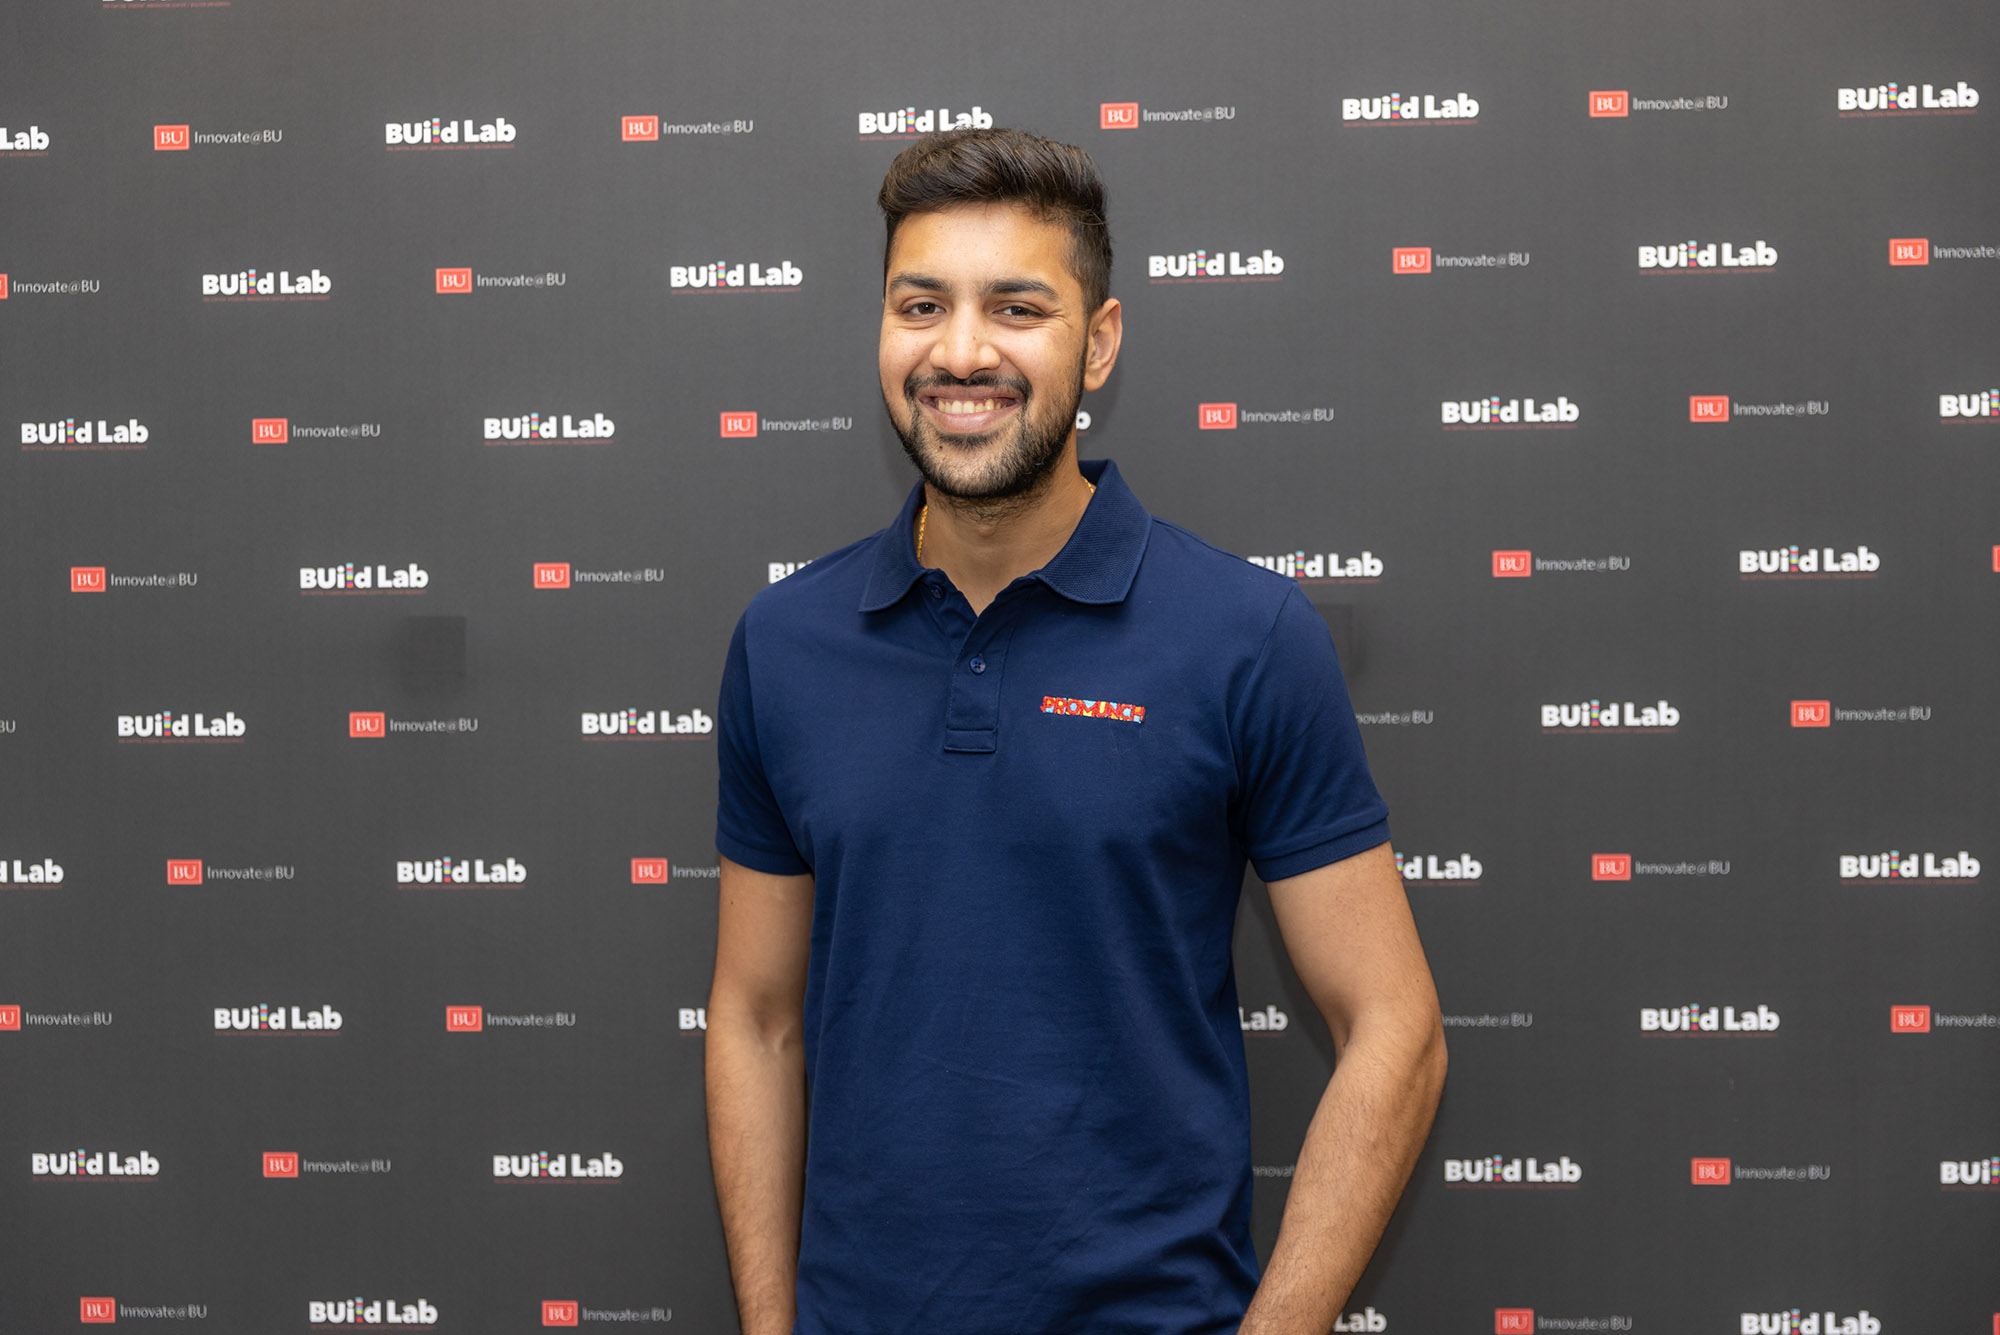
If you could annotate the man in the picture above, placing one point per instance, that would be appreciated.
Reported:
(989, 781)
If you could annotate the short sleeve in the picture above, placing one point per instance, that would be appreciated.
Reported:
(1305, 797)
(749, 827)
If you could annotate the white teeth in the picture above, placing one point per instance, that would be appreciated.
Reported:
(961, 407)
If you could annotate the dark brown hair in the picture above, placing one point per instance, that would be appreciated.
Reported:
(1057, 181)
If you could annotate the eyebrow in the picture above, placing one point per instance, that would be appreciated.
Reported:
(999, 287)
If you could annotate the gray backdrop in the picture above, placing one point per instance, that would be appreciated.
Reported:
(153, 149)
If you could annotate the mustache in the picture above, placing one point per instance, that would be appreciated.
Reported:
(917, 384)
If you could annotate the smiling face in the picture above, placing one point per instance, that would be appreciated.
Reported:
(986, 348)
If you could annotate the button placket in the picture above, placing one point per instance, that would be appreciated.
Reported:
(972, 707)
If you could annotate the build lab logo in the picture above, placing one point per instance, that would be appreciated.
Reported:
(1409, 109)
(1323, 567)
(439, 133)
(266, 1019)
(1969, 1174)
(1797, 1321)
(15, 142)
(461, 871)
(1795, 562)
(35, 872)
(1699, 1020)
(1596, 716)
(370, 1312)
(84, 433)
(1907, 99)
(1498, 1171)
(363, 578)
(264, 285)
(1980, 406)
(550, 428)
(75, 1165)
(1494, 413)
(645, 723)
(543, 1166)
(736, 276)
(1960, 868)
(1269, 1020)
(909, 122)
(167, 726)
(1430, 869)
(1709, 257)
(1215, 266)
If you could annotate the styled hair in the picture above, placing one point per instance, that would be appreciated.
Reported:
(1058, 182)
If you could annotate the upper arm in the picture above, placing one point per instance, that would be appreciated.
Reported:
(762, 940)
(1352, 942)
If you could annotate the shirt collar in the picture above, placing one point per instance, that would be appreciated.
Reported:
(1096, 565)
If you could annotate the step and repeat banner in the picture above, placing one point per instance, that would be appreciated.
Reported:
(409, 398)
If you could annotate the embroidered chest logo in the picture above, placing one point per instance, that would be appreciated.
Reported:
(1057, 704)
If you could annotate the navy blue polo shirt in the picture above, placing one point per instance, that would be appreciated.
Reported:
(1027, 832)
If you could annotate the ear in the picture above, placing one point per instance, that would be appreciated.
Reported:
(1107, 328)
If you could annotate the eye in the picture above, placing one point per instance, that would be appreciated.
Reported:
(922, 307)
(1020, 312)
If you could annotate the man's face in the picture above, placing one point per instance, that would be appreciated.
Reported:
(986, 348)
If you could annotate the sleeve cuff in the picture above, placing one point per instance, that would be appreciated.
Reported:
(772, 862)
(1341, 846)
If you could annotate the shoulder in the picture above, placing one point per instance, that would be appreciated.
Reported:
(826, 587)
(1211, 586)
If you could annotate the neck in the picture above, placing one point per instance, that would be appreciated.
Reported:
(983, 546)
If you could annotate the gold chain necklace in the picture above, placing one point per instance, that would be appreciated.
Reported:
(924, 514)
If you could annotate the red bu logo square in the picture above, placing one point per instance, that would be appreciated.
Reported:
(454, 280)
(552, 574)
(270, 430)
(1513, 1321)
(1909, 1019)
(100, 1311)
(1709, 1172)
(1513, 565)
(86, 579)
(1610, 866)
(1812, 713)
(281, 1163)
(170, 138)
(1708, 407)
(464, 1019)
(1410, 259)
(631, 128)
(559, 1313)
(1909, 250)
(183, 871)
(1117, 115)
(363, 723)
(1217, 416)
(649, 871)
(739, 424)
(1610, 104)
(1996, 570)
(3, 287)
(10, 1018)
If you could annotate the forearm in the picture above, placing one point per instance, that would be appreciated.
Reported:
(756, 1146)
(1357, 1156)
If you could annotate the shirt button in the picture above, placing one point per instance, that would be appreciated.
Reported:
(936, 592)
(978, 665)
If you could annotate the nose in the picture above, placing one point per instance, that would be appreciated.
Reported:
(963, 345)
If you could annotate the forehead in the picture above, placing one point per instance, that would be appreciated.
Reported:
(977, 244)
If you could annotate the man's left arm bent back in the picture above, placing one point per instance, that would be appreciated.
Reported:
(1353, 943)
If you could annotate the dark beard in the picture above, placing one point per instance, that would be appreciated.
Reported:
(1023, 465)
